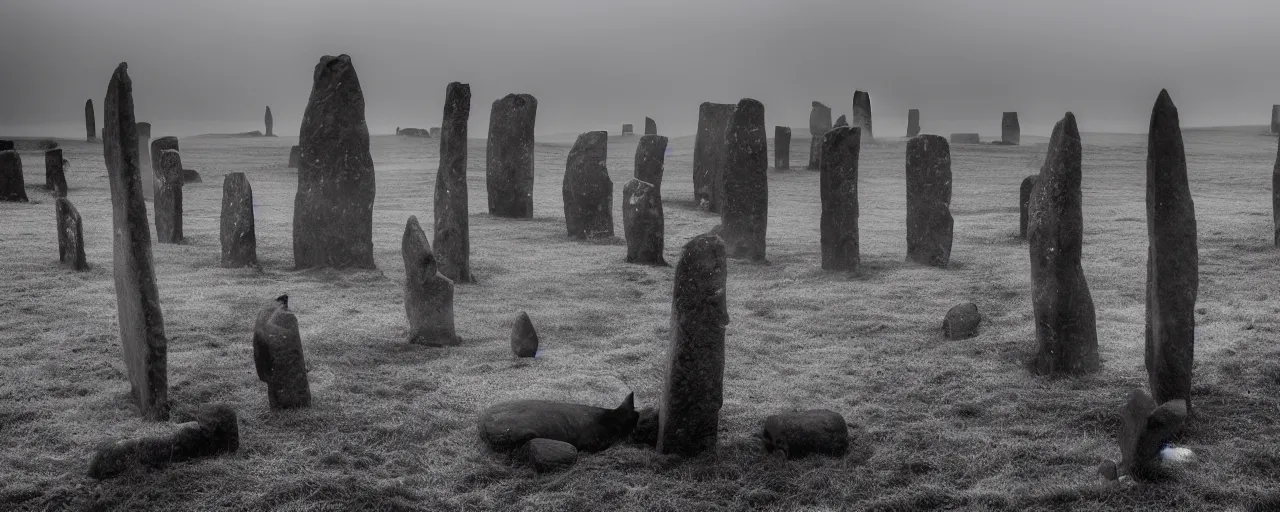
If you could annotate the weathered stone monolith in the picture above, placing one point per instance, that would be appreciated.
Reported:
(137, 300)
(1024, 201)
(628, 129)
(913, 122)
(838, 191)
(1066, 332)
(1010, 130)
(70, 235)
(744, 215)
(524, 338)
(452, 228)
(428, 294)
(1173, 267)
(651, 155)
(55, 176)
(819, 125)
(156, 146)
(1145, 430)
(333, 208)
(12, 185)
(1275, 195)
(840, 121)
(709, 152)
(236, 232)
(642, 222)
(168, 202)
(650, 127)
(295, 156)
(509, 156)
(215, 431)
(965, 138)
(277, 355)
(781, 147)
(861, 116)
(90, 122)
(587, 190)
(269, 122)
(800, 433)
(929, 222)
(692, 392)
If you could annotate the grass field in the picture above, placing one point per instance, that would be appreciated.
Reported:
(938, 424)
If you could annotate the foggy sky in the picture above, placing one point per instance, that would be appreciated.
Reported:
(200, 67)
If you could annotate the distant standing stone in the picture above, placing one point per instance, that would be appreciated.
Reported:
(55, 176)
(913, 122)
(90, 123)
(628, 129)
(1275, 195)
(781, 147)
(692, 393)
(70, 235)
(168, 201)
(709, 152)
(929, 222)
(745, 212)
(237, 234)
(1173, 267)
(547, 455)
(840, 121)
(509, 156)
(1145, 430)
(137, 300)
(147, 158)
(812, 432)
(819, 125)
(295, 156)
(1010, 130)
(961, 322)
(216, 431)
(1066, 332)
(642, 222)
(965, 138)
(269, 122)
(650, 127)
(651, 156)
(1275, 119)
(333, 208)
(12, 186)
(838, 191)
(158, 145)
(428, 295)
(587, 190)
(1024, 201)
(452, 228)
(277, 356)
(524, 338)
(861, 117)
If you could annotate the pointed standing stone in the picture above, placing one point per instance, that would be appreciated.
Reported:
(642, 223)
(295, 156)
(137, 300)
(277, 356)
(509, 156)
(838, 190)
(333, 208)
(781, 147)
(70, 235)
(1010, 130)
(587, 190)
(693, 390)
(168, 201)
(929, 222)
(90, 123)
(840, 121)
(913, 122)
(55, 177)
(158, 145)
(1066, 332)
(452, 229)
(239, 239)
(651, 155)
(269, 122)
(861, 117)
(1024, 201)
(524, 339)
(1173, 267)
(709, 152)
(744, 215)
(819, 125)
(650, 127)
(12, 186)
(428, 295)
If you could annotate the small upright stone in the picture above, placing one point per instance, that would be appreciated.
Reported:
(861, 117)
(216, 431)
(929, 221)
(12, 186)
(269, 122)
(1173, 267)
(650, 127)
(168, 201)
(547, 455)
(819, 125)
(1010, 130)
(838, 191)
(709, 152)
(913, 122)
(1145, 430)
(295, 156)
(812, 432)
(236, 231)
(524, 338)
(277, 356)
(55, 176)
(158, 145)
(1024, 201)
(840, 121)
(781, 147)
(628, 129)
(642, 222)
(70, 235)
(587, 189)
(693, 390)
(509, 156)
(650, 160)
(90, 123)
(452, 228)
(961, 322)
(744, 214)
(428, 295)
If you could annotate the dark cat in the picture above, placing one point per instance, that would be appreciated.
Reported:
(507, 426)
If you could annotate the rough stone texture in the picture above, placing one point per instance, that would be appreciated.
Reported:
(277, 356)
(428, 294)
(929, 222)
(1275, 119)
(651, 155)
(333, 208)
(781, 147)
(1145, 430)
(965, 138)
(269, 122)
(1275, 195)
(650, 127)
(508, 426)
(1066, 333)
(295, 156)
(137, 300)
(168, 202)
(961, 322)
(745, 212)
(692, 392)
(840, 121)
(12, 186)
(156, 146)
(628, 129)
(509, 156)
(861, 116)
(646, 431)
(838, 191)
(524, 338)
(452, 228)
(147, 159)
(215, 431)
(913, 122)
(709, 152)
(1173, 267)
(812, 432)
(547, 455)
(55, 176)
(237, 234)
(642, 222)
(1024, 201)
(587, 190)
(70, 235)
(819, 125)
(1010, 130)
(90, 123)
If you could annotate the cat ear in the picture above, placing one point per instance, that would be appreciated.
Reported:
(629, 404)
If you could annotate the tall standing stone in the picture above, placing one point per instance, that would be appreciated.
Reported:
(12, 185)
(277, 356)
(137, 300)
(861, 117)
(744, 215)
(628, 129)
(1173, 268)
(147, 158)
(509, 156)
(587, 189)
(70, 235)
(1010, 130)
(269, 122)
(1066, 332)
(90, 123)
(709, 152)
(452, 230)
(295, 156)
(913, 122)
(651, 155)
(1024, 202)
(168, 202)
(929, 222)
(650, 127)
(838, 191)
(781, 147)
(239, 239)
(333, 209)
(642, 222)
(158, 145)
(428, 295)
(692, 393)
(819, 125)
(55, 176)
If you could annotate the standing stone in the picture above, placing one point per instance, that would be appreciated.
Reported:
(861, 117)
(651, 155)
(295, 156)
(158, 145)
(929, 222)
(642, 222)
(1173, 268)
(1010, 131)
(148, 159)
(840, 121)
(819, 125)
(628, 129)
(1275, 196)
(1145, 430)
(1066, 332)
(709, 152)
(587, 189)
(70, 235)
(913, 122)
(90, 123)
(1275, 119)
(269, 122)
(277, 355)
(692, 393)
(137, 300)
(838, 190)
(744, 215)
(333, 208)
(781, 147)
(524, 338)
(12, 185)
(239, 239)
(168, 201)
(55, 176)
(1024, 201)
(961, 322)
(509, 156)
(650, 127)
(452, 230)
(428, 295)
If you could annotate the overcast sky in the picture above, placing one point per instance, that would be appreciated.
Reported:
(200, 67)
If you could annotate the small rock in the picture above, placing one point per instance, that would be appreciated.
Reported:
(547, 455)
(797, 434)
(524, 339)
(646, 431)
(962, 322)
